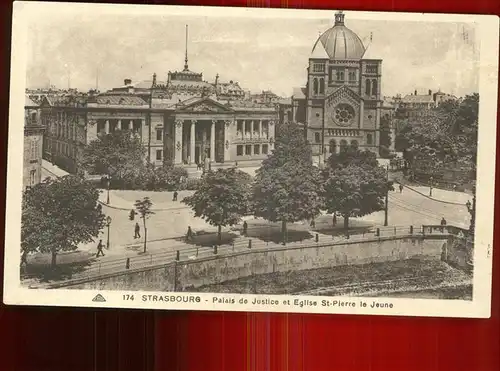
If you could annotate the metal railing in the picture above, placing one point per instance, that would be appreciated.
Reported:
(183, 254)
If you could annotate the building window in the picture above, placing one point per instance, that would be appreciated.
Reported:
(318, 67)
(322, 86)
(315, 86)
(33, 117)
(374, 87)
(239, 150)
(339, 75)
(32, 177)
(137, 126)
(239, 127)
(159, 135)
(371, 68)
(159, 154)
(248, 150)
(368, 87)
(317, 137)
(352, 75)
(256, 149)
(101, 126)
(333, 146)
(265, 149)
(369, 139)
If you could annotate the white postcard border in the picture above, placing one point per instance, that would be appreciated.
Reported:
(488, 34)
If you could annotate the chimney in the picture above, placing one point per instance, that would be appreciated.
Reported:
(430, 92)
(127, 82)
(415, 91)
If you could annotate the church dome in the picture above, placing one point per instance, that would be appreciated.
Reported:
(339, 42)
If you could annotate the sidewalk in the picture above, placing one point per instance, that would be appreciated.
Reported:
(442, 195)
(125, 200)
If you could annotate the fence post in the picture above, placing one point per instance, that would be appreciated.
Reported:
(411, 229)
(215, 249)
(127, 264)
(99, 268)
(151, 259)
(233, 245)
(317, 237)
(377, 233)
(394, 231)
(177, 255)
(197, 251)
(249, 244)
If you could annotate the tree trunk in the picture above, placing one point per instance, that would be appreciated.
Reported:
(54, 258)
(346, 222)
(284, 231)
(219, 233)
(145, 234)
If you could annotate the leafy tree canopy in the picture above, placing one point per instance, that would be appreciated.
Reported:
(114, 154)
(222, 198)
(287, 185)
(354, 184)
(59, 214)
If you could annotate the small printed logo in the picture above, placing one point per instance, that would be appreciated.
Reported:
(99, 298)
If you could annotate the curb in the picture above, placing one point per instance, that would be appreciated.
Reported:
(434, 199)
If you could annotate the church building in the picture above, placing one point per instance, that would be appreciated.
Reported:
(341, 103)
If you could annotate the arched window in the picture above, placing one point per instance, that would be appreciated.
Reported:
(374, 87)
(354, 144)
(343, 145)
(317, 137)
(315, 86)
(322, 86)
(369, 139)
(333, 146)
(368, 87)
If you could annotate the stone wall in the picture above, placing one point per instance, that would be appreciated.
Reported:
(210, 270)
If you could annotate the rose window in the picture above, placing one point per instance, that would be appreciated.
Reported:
(344, 114)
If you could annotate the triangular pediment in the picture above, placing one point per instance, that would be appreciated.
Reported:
(203, 105)
(45, 102)
(344, 93)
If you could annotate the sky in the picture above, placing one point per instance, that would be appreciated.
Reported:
(73, 48)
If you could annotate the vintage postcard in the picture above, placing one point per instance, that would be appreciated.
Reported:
(238, 159)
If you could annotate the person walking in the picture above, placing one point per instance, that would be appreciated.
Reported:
(175, 196)
(99, 249)
(334, 219)
(137, 231)
(189, 234)
(245, 228)
(400, 188)
(443, 224)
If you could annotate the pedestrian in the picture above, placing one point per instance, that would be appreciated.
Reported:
(454, 187)
(430, 191)
(443, 224)
(137, 231)
(400, 188)
(189, 234)
(175, 196)
(245, 228)
(99, 249)
(334, 220)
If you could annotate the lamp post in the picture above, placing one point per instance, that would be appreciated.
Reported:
(386, 214)
(108, 181)
(431, 180)
(108, 224)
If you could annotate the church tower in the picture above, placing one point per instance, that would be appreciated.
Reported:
(342, 99)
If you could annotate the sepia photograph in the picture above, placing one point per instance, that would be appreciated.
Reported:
(251, 159)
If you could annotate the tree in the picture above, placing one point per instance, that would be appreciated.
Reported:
(222, 198)
(143, 208)
(354, 184)
(114, 154)
(445, 137)
(287, 185)
(59, 214)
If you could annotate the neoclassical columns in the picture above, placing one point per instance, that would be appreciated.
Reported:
(178, 141)
(119, 125)
(192, 143)
(106, 127)
(212, 141)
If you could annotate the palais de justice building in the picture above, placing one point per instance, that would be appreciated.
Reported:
(341, 103)
(182, 120)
